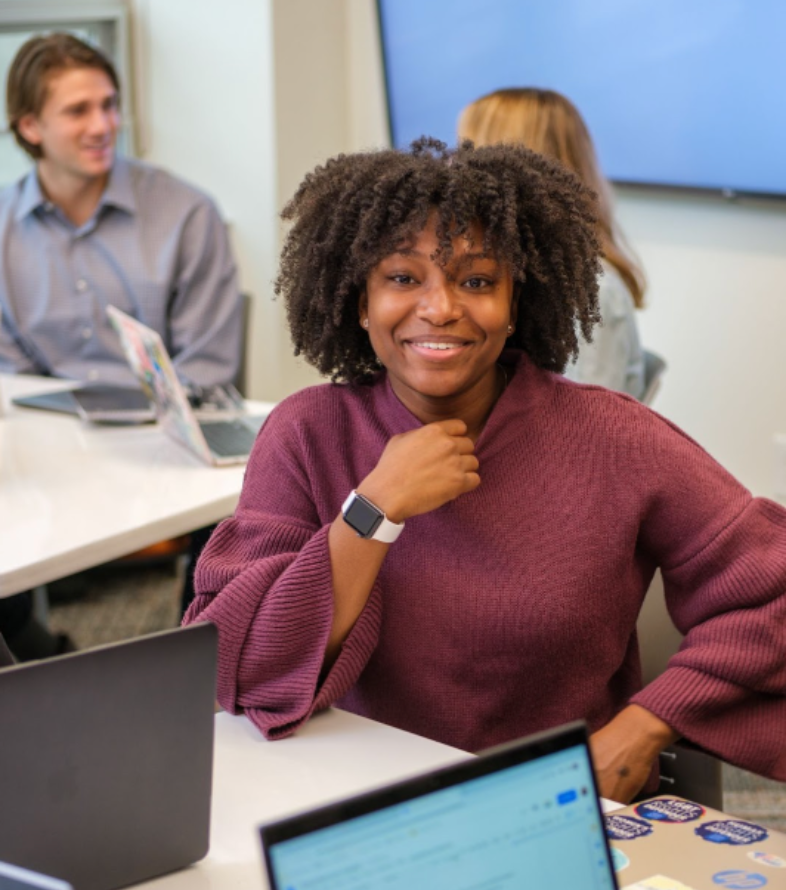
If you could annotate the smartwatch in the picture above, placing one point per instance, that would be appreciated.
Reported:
(368, 520)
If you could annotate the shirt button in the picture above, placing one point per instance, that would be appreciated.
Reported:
(87, 333)
(92, 374)
(81, 284)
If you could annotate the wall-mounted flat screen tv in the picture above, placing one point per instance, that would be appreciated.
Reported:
(679, 93)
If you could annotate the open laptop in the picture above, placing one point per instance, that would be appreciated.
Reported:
(215, 441)
(525, 814)
(14, 878)
(94, 403)
(668, 843)
(106, 759)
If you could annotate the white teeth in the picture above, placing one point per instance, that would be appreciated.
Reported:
(438, 345)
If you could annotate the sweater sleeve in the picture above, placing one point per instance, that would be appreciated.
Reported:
(264, 579)
(725, 587)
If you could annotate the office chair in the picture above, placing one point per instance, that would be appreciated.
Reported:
(241, 381)
(654, 368)
(685, 771)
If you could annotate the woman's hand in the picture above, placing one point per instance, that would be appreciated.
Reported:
(417, 472)
(422, 470)
(623, 751)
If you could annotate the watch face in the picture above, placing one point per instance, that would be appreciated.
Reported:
(363, 517)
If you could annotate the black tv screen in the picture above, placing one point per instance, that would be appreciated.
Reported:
(680, 93)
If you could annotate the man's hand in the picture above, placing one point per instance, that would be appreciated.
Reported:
(422, 470)
(623, 751)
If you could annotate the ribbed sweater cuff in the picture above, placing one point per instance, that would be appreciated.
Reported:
(709, 712)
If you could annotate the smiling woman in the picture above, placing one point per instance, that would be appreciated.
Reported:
(453, 538)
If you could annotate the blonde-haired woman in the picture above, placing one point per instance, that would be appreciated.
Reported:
(548, 123)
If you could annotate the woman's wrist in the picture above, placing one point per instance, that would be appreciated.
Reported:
(649, 730)
(383, 497)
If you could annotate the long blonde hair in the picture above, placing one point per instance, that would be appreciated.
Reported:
(548, 123)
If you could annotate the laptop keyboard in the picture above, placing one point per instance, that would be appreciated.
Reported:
(228, 438)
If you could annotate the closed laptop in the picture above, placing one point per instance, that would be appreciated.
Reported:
(106, 764)
(669, 843)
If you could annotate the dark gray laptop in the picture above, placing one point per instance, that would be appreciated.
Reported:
(522, 815)
(106, 759)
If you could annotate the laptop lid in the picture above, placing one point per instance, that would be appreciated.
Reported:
(522, 815)
(106, 764)
(14, 878)
(670, 842)
(149, 360)
(94, 403)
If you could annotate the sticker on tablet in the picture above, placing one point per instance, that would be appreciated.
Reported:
(619, 860)
(626, 828)
(767, 859)
(669, 810)
(736, 879)
(731, 831)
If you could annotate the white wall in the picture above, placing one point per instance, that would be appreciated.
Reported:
(206, 100)
(717, 313)
(329, 99)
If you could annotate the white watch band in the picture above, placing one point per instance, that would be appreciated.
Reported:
(387, 532)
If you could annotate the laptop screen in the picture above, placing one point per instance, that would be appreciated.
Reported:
(531, 824)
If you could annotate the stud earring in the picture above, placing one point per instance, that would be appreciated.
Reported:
(365, 323)
(510, 329)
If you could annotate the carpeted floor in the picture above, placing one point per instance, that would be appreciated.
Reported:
(116, 603)
(122, 601)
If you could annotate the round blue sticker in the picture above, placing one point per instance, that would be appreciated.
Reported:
(732, 831)
(734, 879)
(626, 828)
(666, 809)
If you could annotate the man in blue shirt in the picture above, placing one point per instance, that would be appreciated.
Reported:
(86, 229)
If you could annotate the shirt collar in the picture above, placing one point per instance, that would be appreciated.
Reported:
(31, 197)
(118, 193)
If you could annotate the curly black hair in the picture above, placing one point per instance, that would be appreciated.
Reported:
(357, 209)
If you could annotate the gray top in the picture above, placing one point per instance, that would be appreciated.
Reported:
(155, 248)
(614, 358)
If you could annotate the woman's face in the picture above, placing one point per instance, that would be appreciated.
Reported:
(439, 331)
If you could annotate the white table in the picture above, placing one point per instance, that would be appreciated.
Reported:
(74, 495)
(335, 755)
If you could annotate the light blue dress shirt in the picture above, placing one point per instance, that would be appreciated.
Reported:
(155, 248)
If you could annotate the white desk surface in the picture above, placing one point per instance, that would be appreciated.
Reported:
(335, 755)
(74, 495)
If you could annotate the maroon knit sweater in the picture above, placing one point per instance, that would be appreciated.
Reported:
(512, 608)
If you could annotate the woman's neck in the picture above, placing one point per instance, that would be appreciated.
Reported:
(473, 406)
